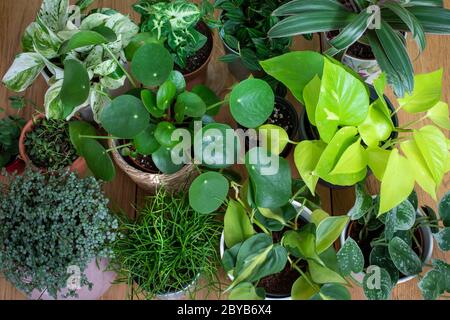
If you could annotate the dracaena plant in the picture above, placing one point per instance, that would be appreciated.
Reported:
(174, 23)
(353, 21)
(396, 245)
(83, 55)
(245, 24)
(356, 135)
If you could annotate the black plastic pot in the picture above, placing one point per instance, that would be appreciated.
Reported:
(309, 132)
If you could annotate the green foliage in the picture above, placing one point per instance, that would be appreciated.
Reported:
(10, 128)
(167, 248)
(245, 24)
(49, 222)
(48, 145)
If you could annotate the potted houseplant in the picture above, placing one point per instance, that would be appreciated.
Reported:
(371, 29)
(80, 55)
(45, 144)
(356, 135)
(10, 128)
(53, 228)
(165, 252)
(182, 26)
(244, 27)
(396, 246)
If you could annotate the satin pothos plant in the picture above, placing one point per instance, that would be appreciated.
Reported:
(81, 55)
(355, 136)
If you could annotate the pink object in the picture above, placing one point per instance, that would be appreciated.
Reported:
(100, 279)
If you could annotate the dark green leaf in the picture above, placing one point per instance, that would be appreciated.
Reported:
(152, 64)
(76, 86)
(404, 258)
(97, 159)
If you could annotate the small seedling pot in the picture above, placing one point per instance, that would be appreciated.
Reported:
(426, 239)
(305, 215)
(96, 273)
(151, 181)
(309, 132)
(78, 166)
(16, 166)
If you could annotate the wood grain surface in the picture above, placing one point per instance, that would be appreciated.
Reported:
(15, 15)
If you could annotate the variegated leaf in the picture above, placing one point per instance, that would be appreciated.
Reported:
(24, 70)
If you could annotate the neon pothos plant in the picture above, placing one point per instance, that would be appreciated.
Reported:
(173, 23)
(261, 207)
(83, 55)
(355, 135)
(397, 250)
(417, 17)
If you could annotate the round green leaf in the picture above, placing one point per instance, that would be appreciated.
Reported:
(377, 284)
(149, 100)
(208, 96)
(125, 117)
(97, 159)
(350, 258)
(252, 102)
(139, 40)
(145, 142)
(152, 64)
(76, 86)
(404, 258)
(77, 128)
(189, 104)
(208, 191)
(166, 94)
(162, 158)
(178, 79)
(163, 134)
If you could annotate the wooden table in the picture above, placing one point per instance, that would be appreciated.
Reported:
(15, 15)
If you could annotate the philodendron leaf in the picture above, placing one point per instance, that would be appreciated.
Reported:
(237, 225)
(165, 95)
(284, 69)
(229, 258)
(332, 291)
(427, 92)
(82, 39)
(394, 189)
(302, 244)
(343, 101)
(311, 94)
(376, 127)
(350, 258)
(24, 70)
(145, 142)
(377, 160)
(97, 159)
(443, 238)
(267, 173)
(322, 275)
(363, 203)
(421, 171)
(152, 64)
(328, 231)
(208, 191)
(439, 115)
(303, 289)
(444, 209)
(432, 144)
(76, 86)
(273, 138)
(404, 258)
(432, 285)
(306, 155)
(318, 215)
(251, 102)
(125, 117)
(377, 284)
(379, 256)
(353, 160)
(246, 291)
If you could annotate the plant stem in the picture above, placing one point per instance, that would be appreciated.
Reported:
(98, 137)
(411, 123)
(216, 105)
(119, 147)
(120, 65)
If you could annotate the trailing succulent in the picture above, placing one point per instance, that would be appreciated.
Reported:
(356, 134)
(353, 19)
(167, 248)
(51, 222)
(396, 244)
(10, 128)
(83, 55)
(245, 24)
(174, 24)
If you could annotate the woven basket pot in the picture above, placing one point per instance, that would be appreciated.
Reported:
(151, 181)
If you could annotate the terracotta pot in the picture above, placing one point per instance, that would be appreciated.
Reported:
(151, 181)
(17, 166)
(199, 76)
(79, 165)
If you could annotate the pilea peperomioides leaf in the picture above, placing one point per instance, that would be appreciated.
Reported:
(350, 258)
(404, 258)
(145, 142)
(208, 191)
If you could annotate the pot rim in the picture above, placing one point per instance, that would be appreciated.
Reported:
(427, 246)
(176, 294)
(306, 214)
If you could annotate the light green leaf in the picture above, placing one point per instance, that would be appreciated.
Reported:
(328, 231)
(322, 275)
(302, 289)
(393, 188)
(318, 215)
(237, 225)
(427, 92)
(311, 94)
(302, 244)
(24, 70)
(353, 160)
(376, 127)
(377, 160)
(332, 291)
(380, 84)
(273, 138)
(439, 115)
(306, 156)
(246, 291)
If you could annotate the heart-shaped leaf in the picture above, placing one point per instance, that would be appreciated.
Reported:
(237, 225)
(404, 258)
(145, 142)
(97, 159)
(363, 203)
(273, 138)
(152, 64)
(306, 155)
(311, 95)
(377, 160)
(303, 289)
(246, 291)
(76, 86)
(432, 285)
(350, 258)
(302, 243)
(208, 191)
(444, 209)
(82, 39)
(377, 284)
(328, 231)
(439, 115)
(376, 127)
(353, 160)
(125, 117)
(332, 291)
(443, 238)
(379, 256)
(322, 275)
(402, 216)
